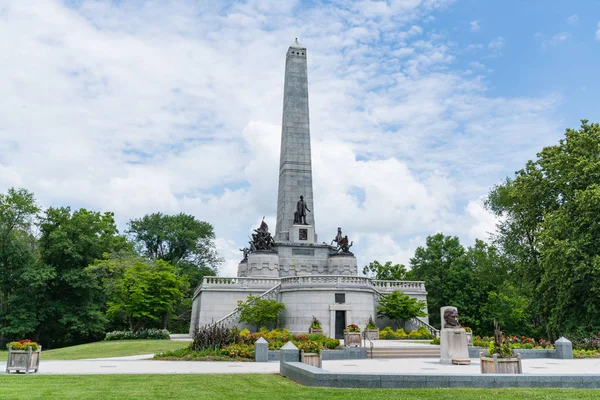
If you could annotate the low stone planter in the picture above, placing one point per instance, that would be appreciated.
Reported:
(26, 361)
(313, 359)
(372, 334)
(315, 330)
(495, 365)
(352, 339)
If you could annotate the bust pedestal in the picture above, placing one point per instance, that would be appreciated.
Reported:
(453, 346)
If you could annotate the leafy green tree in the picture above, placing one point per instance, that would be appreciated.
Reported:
(18, 211)
(180, 239)
(549, 231)
(259, 311)
(184, 242)
(387, 271)
(72, 305)
(140, 292)
(433, 264)
(400, 307)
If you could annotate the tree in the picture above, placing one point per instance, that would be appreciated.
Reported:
(140, 292)
(18, 210)
(433, 264)
(184, 242)
(400, 307)
(387, 271)
(72, 305)
(549, 231)
(177, 239)
(259, 311)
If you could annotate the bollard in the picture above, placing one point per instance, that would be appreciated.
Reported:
(288, 353)
(564, 348)
(261, 350)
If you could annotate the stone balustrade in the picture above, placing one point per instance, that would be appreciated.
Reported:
(389, 286)
(217, 282)
(337, 281)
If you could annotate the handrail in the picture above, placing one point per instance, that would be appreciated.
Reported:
(365, 338)
(435, 332)
(274, 291)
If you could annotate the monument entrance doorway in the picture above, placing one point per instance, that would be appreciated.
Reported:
(340, 324)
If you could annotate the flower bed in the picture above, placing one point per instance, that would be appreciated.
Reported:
(515, 342)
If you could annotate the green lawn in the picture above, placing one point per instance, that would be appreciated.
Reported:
(216, 387)
(113, 348)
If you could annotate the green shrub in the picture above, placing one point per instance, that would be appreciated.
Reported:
(154, 334)
(480, 343)
(330, 343)
(120, 335)
(371, 324)
(315, 323)
(387, 333)
(436, 341)
(591, 353)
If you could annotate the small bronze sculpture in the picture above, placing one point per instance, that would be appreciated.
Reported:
(245, 251)
(343, 244)
(451, 318)
(300, 214)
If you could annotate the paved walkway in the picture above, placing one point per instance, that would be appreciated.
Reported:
(427, 366)
(129, 366)
(432, 366)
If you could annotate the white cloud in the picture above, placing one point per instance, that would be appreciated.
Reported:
(474, 26)
(497, 44)
(138, 107)
(573, 19)
(556, 39)
(598, 32)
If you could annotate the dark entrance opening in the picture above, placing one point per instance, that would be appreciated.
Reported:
(340, 324)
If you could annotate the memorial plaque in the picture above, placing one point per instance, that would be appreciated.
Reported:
(303, 252)
(303, 234)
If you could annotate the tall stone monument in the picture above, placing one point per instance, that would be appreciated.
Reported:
(290, 265)
(295, 166)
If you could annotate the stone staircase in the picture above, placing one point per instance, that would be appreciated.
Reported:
(231, 319)
(404, 352)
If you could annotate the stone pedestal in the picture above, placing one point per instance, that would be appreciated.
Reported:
(302, 234)
(453, 346)
(263, 263)
(243, 269)
(342, 264)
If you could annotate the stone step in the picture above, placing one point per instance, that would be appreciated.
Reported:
(407, 352)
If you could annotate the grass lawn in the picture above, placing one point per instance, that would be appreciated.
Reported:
(113, 348)
(249, 386)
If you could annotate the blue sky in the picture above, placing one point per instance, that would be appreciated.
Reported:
(417, 107)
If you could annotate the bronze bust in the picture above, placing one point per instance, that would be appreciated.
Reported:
(451, 318)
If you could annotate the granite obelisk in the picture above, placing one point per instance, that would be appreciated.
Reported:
(295, 167)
